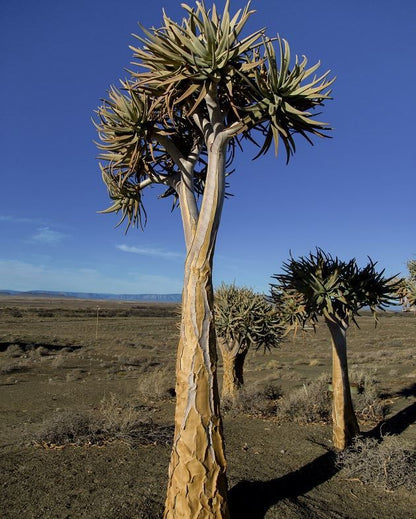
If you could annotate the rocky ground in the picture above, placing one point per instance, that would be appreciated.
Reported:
(87, 406)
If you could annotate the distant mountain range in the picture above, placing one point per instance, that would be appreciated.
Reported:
(160, 298)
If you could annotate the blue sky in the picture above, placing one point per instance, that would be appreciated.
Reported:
(352, 195)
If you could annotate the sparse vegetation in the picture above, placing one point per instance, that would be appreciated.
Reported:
(107, 459)
(254, 401)
(156, 384)
(388, 464)
(310, 403)
(114, 420)
(368, 403)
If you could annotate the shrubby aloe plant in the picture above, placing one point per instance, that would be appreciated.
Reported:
(320, 285)
(243, 319)
(407, 287)
(197, 90)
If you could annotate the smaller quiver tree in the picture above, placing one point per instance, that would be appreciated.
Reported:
(242, 319)
(320, 285)
(406, 290)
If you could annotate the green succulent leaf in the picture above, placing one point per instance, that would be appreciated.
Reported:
(160, 116)
(334, 289)
(246, 317)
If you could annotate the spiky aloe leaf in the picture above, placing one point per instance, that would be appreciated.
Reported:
(282, 98)
(127, 199)
(246, 317)
(333, 288)
(203, 51)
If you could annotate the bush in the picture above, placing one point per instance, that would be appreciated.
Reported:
(312, 403)
(70, 428)
(368, 404)
(115, 420)
(388, 464)
(254, 401)
(14, 350)
(309, 404)
(157, 384)
(13, 367)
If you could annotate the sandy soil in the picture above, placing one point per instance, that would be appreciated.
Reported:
(56, 357)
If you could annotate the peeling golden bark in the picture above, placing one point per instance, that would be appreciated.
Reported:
(345, 425)
(233, 368)
(197, 487)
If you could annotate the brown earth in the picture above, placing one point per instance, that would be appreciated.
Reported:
(57, 359)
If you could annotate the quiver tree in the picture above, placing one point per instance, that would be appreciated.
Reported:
(411, 283)
(320, 285)
(406, 290)
(243, 319)
(196, 91)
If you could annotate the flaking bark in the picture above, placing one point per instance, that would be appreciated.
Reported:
(197, 487)
(233, 357)
(345, 425)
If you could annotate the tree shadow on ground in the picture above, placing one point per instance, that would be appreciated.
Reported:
(396, 424)
(252, 499)
(408, 391)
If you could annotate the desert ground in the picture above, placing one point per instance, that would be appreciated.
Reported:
(87, 403)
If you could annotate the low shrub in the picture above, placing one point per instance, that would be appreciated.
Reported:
(114, 420)
(309, 404)
(388, 464)
(312, 403)
(156, 384)
(368, 404)
(254, 401)
(14, 312)
(45, 313)
(14, 350)
(13, 367)
(70, 428)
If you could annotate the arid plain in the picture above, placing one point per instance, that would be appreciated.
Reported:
(87, 402)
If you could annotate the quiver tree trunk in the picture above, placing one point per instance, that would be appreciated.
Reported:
(233, 357)
(345, 425)
(197, 487)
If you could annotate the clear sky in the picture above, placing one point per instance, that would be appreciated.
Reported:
(353, 195)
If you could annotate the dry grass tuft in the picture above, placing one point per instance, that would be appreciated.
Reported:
(115, 420)
(69, 429)
(14, 351)
(368, 404)
(309, 404)
(312, 402)
(14, 367)
(254, 401)
(157, 384)
(388, 464)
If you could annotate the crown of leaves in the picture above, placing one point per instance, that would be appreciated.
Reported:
(262, 97)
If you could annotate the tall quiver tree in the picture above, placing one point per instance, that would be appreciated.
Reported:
(196, 91)
(320, 285)
(243, 319)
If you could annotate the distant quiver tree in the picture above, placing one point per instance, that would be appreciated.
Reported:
(407, 288)
(197, 90)
(243, 319)
(320, 285)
